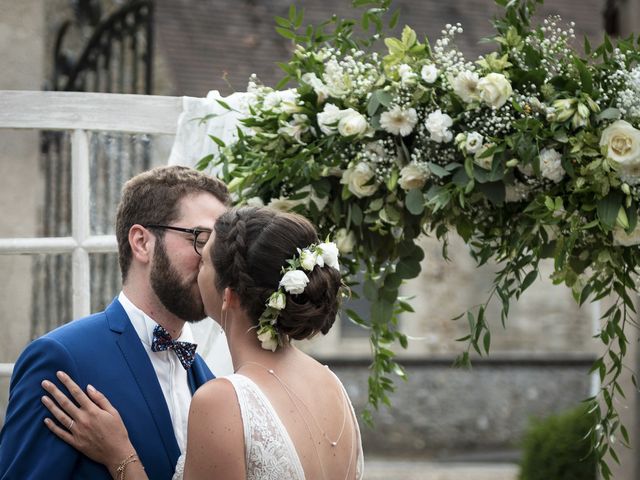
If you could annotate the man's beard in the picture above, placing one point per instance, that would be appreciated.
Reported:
(173, 293)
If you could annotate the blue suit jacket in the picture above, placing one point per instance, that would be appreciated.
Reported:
(105, 351)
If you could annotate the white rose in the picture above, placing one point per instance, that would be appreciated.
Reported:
(412, 176)
(620, 237)
(465, 85)
(623, 143)
(352, 123)
(483, 162)
(255, 202)
(345, 240)
(358, 179)
(294, 281)
(277, 300)
(330, 254)
(473, 142)
(328, 119)
(429, 73)
(320, 88)
(308, 259)
(551, 165)
(407, 76)
(494, 90)
(438, 124)
(268, 339)
(284, 204)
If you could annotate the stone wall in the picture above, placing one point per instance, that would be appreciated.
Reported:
(443, 413)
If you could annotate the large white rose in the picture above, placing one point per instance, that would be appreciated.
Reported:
(465, 85)
(328, 119)
(623, 143)
(620, 237)
(345, 240)
(358, 180)
(352, 123)
(330, 254)
(412, 176)
(438, 124)
(294, 281)
(494, 90)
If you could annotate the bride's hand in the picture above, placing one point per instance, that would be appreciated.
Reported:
(91, 424)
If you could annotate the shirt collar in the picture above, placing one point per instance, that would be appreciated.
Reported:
(144, 324)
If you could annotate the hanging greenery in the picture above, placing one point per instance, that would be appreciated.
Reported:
(530, 152)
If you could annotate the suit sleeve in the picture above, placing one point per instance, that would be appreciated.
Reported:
(28, 449)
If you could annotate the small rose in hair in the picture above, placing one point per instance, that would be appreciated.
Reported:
(277, 300)
(308, 259)
(268, 337)
(294, 281)
(330, 254)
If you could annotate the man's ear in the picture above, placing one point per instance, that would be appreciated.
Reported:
(142, 243)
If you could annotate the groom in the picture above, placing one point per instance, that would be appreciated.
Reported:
(164, 219)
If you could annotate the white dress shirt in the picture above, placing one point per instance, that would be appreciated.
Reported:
(170, 372)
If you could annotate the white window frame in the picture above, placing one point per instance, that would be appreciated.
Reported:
(81, 113)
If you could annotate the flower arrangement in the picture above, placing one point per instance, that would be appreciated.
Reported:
(529, 152)
(293, 281)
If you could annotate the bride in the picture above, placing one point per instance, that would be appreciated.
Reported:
(282, 415)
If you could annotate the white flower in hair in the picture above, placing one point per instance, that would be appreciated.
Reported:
(308, 259)
(268, 338)
(277, 300)
(294, 281)
(329, 251)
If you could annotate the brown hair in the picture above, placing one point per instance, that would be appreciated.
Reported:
(251, 247)
(153, 197)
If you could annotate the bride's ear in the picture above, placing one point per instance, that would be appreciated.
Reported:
(230, 299)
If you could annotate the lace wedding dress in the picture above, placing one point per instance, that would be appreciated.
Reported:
(269, 451)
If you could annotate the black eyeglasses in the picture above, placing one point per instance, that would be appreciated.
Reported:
(199, 240)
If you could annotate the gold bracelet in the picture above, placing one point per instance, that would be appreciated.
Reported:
(120, 469)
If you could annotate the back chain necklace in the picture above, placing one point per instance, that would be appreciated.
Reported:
(291, 394)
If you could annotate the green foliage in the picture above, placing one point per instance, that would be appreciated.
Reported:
(529, 153)
(557, 447)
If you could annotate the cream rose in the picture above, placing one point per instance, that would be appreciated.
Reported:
(268, 339)
(494, 89)
(623, 143)
(277, 300)
(308, 259)
(345, 240)
(352, 123)
(294, 281)
(358, 179)
(483, 162)
(412, 176)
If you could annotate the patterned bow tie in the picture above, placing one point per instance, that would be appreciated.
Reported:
(162, 341)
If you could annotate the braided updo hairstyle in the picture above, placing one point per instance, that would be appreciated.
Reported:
(251, 247)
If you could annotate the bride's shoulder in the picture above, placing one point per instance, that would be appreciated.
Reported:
(218, 393)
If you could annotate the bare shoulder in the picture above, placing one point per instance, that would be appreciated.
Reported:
(215, 439)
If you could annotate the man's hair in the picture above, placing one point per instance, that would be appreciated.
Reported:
(153, 197)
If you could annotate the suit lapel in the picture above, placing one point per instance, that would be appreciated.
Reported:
(145, 376)
(198, 374)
